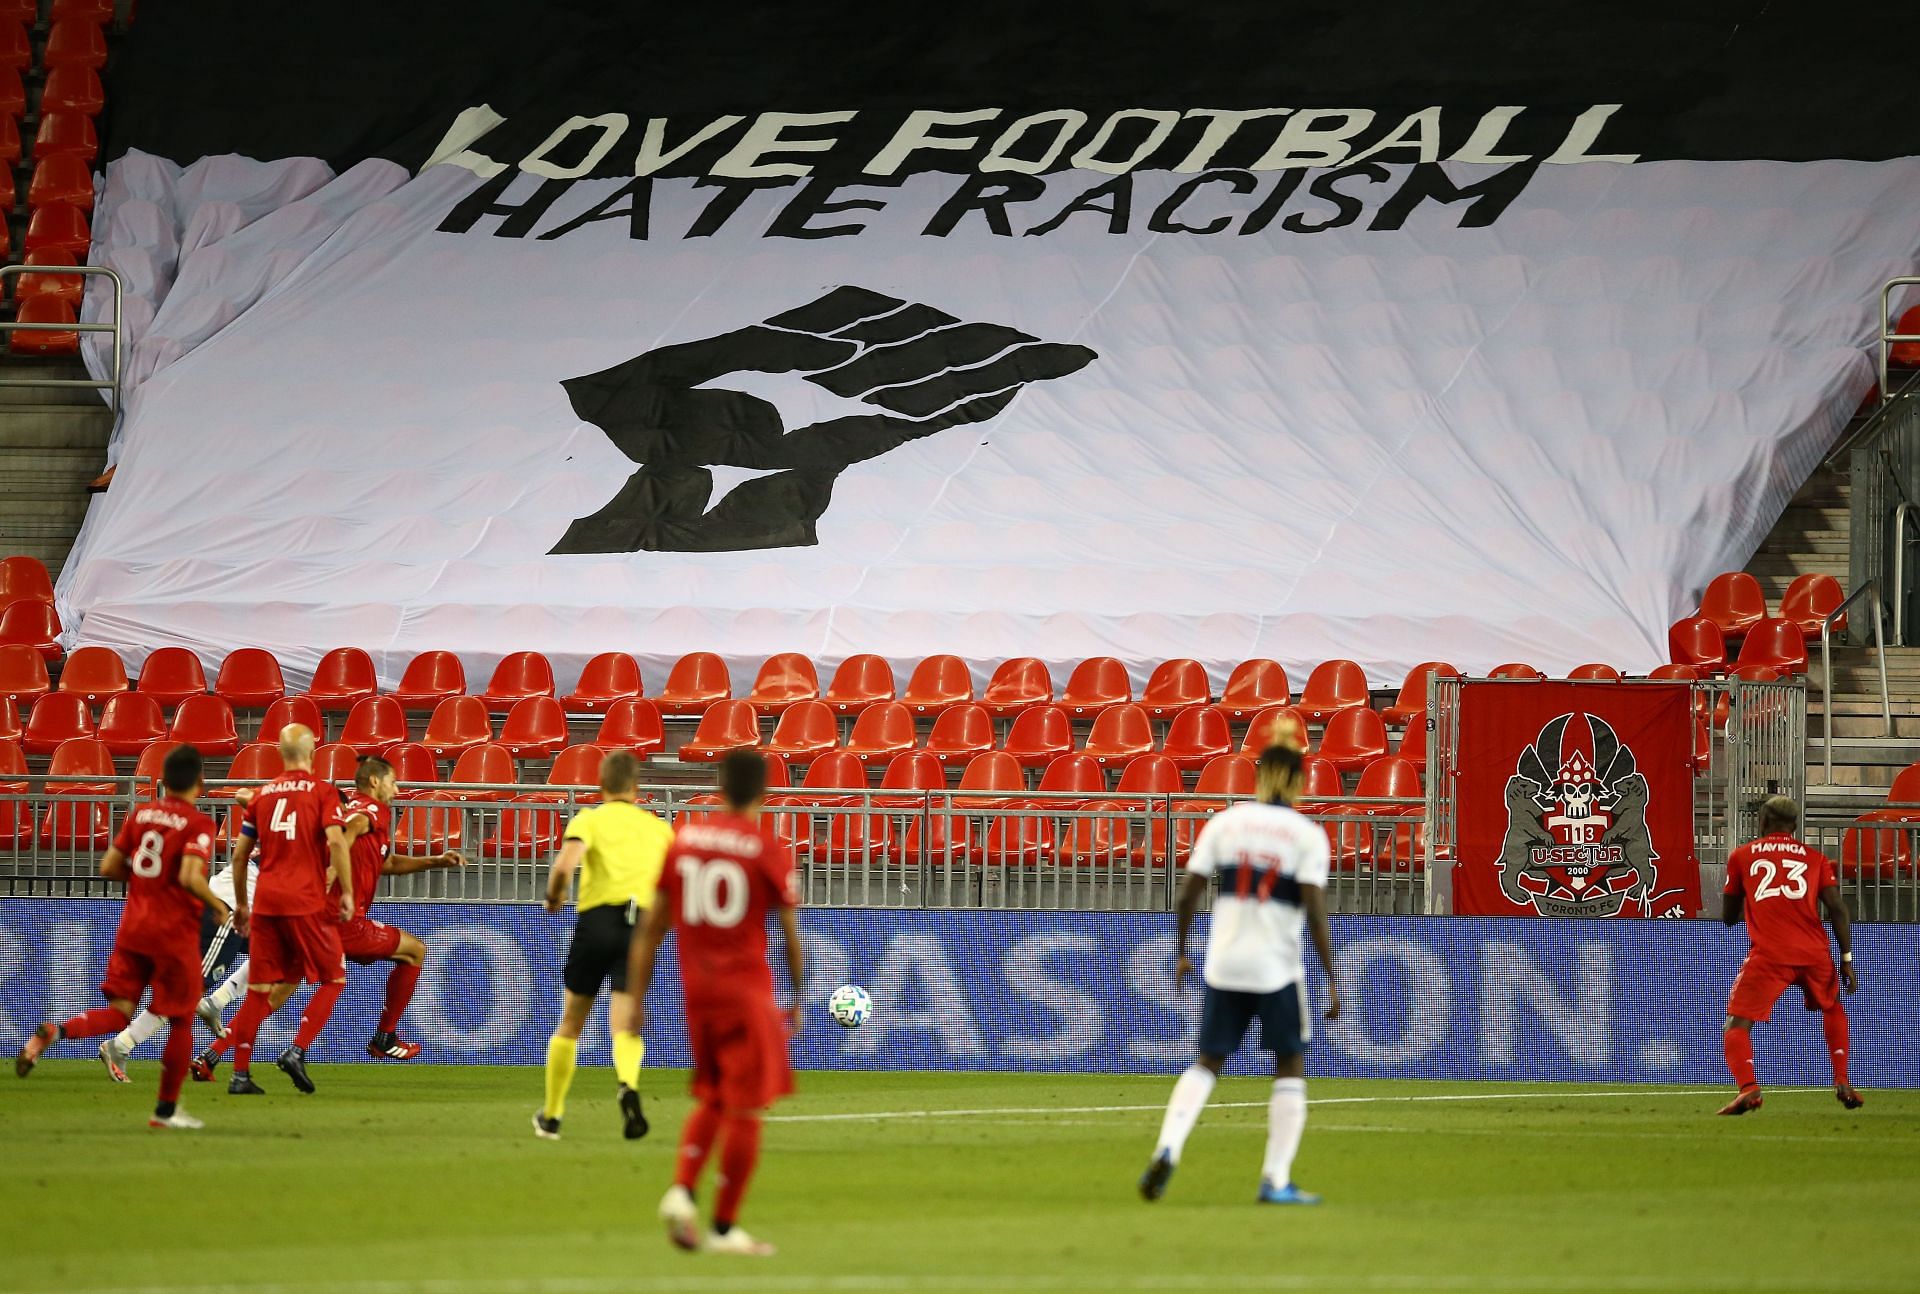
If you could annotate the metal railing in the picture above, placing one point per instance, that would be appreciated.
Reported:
(1871, 591)
(1888, 337)
(111, 387)
(1876, 855)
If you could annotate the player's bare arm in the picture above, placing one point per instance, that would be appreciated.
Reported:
(561, 873)
(1184, 908)
(1313, 899)
(796, 964)
(406, 864)
(1732, 907)
(113, 864)
(242, 855)
(341, 859)
(641, 955)
(1842, 922)
(193, 879)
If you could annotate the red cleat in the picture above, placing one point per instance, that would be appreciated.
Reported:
(1749, 1099)
(1845, 1094)
(391, 1046)
(33, 1048)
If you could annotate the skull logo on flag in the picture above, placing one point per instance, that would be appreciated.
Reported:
(1577, 842)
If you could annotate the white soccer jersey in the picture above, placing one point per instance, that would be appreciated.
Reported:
(222, 883)
(1259, 855)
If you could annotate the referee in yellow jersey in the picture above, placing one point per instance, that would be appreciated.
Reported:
(619, 849)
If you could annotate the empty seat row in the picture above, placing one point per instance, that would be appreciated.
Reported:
(1734, 604)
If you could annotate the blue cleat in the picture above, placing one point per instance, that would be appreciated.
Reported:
(1288, 1194)
(1153, 1182)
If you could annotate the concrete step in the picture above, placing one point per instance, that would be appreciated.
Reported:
(14, 369)
(1872, 751)
(1810, 542)
(50, 480)
(54, 426)
(1788, 565)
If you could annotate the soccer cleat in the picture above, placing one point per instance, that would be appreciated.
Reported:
(203, 1065)
(115, 1060)
(1288, 1194)
(1153, 1182)
(737, 1241)
(33, 1048)
(179, 1120)
(210, 1016)
(544, 1128)
(1845, 1094)
(1749, 1099)
(682, 1218)
(293, 1063)
(633, 1120)
(391, 1046)
(243, 1085)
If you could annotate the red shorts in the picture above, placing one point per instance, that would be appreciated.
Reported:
(287, 949)
(366, 941)
(1761, 982)
(176, 980)
(739, 1055)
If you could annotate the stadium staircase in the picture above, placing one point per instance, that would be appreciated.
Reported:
(53, 441)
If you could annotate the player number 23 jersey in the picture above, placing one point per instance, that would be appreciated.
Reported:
(1259, 855)
(1781, 879)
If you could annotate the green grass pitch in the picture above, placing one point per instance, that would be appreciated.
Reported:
(397, 1177)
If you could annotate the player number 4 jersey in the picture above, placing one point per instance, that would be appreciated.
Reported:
(723, 875)
(1781, 879)
(1259, 855)
(290, 817)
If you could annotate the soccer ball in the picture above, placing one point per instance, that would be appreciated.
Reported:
(850, 1005)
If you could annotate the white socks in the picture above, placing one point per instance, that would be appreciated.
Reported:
(1190, 1095)
(1286, 1120)
(138, 1030)
(229, 993)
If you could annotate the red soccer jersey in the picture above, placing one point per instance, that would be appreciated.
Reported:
(290, 817)
(369, 849)
(160, 914)
(1782, 879)
(723, 874)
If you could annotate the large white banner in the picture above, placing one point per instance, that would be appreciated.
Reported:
(1387, 410)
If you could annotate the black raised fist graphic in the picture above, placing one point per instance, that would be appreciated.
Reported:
(921, 369)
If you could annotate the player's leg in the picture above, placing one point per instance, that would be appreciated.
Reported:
(408, 956)
(174, 1062)
(629, 1053)
(1287, 1027)
(563, 1055)
(1224, 1018)
(739, 1156)
(260, 1002)
(110, 1018)
(1755, 989)
(115, 1051)
(323, 962)
(598, 943)
(231, 990)
(1736, 1040)
(224, 964)
(754, 1072)
(1821, 984)
(697, 1136)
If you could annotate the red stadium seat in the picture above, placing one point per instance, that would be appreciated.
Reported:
(534, 728)
(130, 722)
(1517, 671)
(1197, 737)
(289, 710)
(16, 47)
(34, 625)
(808, 729)
(10, 729)
(1354, 739)
(343, 679)
(430, 678)
(611, 676)
(13, 93)
(22, 11)
(337, 762)
(1254, 685)
(1413, 691)
(203, 722)
(24, 579)
(530, 826)
(961, 734)
(835, 770)
(1880, 844)
(1149, 775)
(70, 288)
(84, 825)
(992, 771)
(1224, 775)
(1018, 684)
(54, 341)
(1120, 735)
(1389, 777)
(1319, 781)
(577, 766)
(1107, 840)
(1384, 846)
(1333, 686)
(938, 684)
(632, 724)
(881, 732)
(374, 723)
(1173, 687)
(75, 42)
(148, 768)
(860, 682)
(95, 673)
(1677, 673)
(488, 766)
(926, 835)
(94, 11)
(787, 679)
(23, 674)
(458, 723)
(412, 762)
(1413, 745)
(61, 180)
(1072, 774)
(696, 681)
(258, 761)
(66, 134)
(1734, 602)
(860, 837)
(250, 678)
(1095, 685)
(1777, 643)
(1906, 354)
(1697, 641)
(1039, 735)
(427, 828)
(62, 229)
(16, 815)
(911, 770)
(518, 676)
(172, 674)
(1594, 672)
(73, 89)
(1809, 600)
(1282, 725)
(727, 725)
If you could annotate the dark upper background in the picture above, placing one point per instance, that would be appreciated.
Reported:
(1708, 79)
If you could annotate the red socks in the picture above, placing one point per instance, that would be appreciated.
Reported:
(102, 1019)
(400, 982)
(696, 1143)
(246, 1025)
(1739, 1048)
(1834, 1024)
(737, 1160)
(175, 1059)
(319, 1009)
